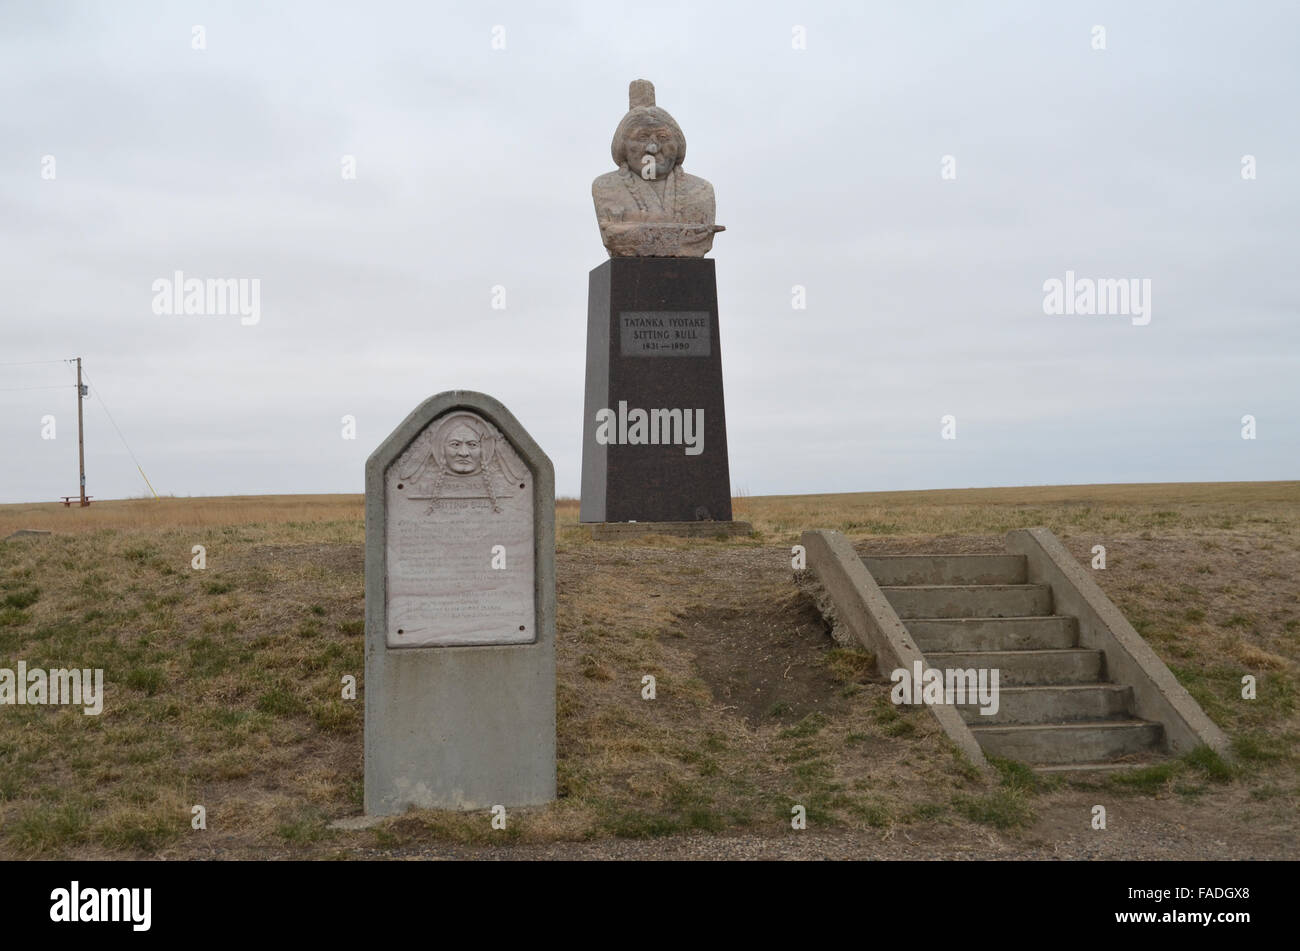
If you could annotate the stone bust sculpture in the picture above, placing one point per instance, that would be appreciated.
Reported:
(649, 207)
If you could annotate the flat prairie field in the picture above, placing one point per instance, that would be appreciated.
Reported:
(222, 687)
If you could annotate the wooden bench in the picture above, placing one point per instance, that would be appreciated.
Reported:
(69, 499)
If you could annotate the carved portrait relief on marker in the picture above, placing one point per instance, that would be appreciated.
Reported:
(460, 538)
(460, 456)
(649, 206)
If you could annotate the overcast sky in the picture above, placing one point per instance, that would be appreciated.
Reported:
(474, 167)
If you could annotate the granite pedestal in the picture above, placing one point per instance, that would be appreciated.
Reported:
(654, 430)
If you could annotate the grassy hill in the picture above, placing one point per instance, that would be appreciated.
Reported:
(223, 684)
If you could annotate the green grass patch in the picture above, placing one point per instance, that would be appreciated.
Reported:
(925, 812)
(142, 828)
(279, 701)
(899, 727)
(23, 598)
(335, 716)
(873, 814)
(686, 808)
(208, 657)
(810, 725)
(1147, 779)
(1260, 748)
(13, 617)
(50, 827)
(636, 824)
(1014, 774)
(149, 680)
(1005, 808)
(814, 771)
(303, 827)
(1210, 764)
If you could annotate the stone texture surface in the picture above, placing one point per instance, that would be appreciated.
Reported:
(649, 206)
(459, 727)
(626, 481)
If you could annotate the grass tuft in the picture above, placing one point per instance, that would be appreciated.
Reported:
(23, 598)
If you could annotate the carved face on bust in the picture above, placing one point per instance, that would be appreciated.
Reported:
(651, 138)
(463, 451)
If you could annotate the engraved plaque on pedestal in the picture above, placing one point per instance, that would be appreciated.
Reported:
(460, 539)
(665, 333)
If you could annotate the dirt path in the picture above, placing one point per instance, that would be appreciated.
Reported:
(1216, 828)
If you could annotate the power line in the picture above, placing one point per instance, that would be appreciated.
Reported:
(119, 433)
(33, 363)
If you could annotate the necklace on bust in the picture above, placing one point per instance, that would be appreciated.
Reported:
(665, 195)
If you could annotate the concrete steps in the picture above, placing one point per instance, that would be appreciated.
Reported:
(969, 600)
(1056, 709)
(1057, 703)
(889, 570)
(1048, 743)
(985, 634)
(1071, 665)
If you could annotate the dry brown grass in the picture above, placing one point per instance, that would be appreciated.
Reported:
(223, 685)
(169, 512)
(1174, 506)
(866, 514)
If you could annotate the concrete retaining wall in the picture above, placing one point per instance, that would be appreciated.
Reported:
(1157, 694)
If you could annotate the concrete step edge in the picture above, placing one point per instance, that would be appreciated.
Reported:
(1105, 685)
(965, 587)
(1067, 726)
(985, 620)
(940, 554)
(1029, 650)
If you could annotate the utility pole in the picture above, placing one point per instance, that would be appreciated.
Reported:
(81, 435)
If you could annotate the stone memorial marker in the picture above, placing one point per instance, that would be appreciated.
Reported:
(460, 612)
(655, 430)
